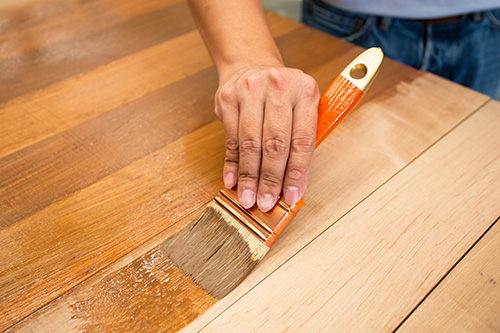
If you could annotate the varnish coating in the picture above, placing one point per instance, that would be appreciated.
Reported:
(109, 146)
(150, 294)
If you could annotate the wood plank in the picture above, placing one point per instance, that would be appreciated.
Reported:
(405, 120)
(40, 174)
(84, 142)
(94, 226)
(146, 211)
(468, 300)
(37, 176)
(44, 66)
(104, 282)
(29, 25)
(21, 32)
(371, 268)
(35, 116)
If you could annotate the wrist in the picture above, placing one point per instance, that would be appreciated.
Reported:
(230, 67)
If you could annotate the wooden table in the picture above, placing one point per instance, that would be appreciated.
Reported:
(109, 145)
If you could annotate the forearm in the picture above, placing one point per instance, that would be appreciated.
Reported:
(236, 34)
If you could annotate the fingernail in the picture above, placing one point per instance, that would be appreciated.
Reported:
(229, 180)
(247, 198)
(266, 202)
(291, 195)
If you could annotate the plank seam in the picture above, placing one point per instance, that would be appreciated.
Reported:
(354, 207)
(452, 268)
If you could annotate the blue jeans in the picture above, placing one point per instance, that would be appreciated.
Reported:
(466, 51)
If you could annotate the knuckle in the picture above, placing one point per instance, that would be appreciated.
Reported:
(247, 176)
(296, 174)
(250, 146)
(227, 94)
(276, 146)
(232, 147)
(252, 81)
(303, 143)
(310, 87)
(278, 78)
(270, 180)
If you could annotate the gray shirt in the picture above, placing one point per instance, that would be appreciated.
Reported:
(415, 9)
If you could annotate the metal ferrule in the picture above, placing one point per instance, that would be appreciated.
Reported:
(266, 226)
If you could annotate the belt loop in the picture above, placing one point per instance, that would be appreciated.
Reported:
(384, 23)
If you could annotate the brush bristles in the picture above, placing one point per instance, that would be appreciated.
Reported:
(216, 250)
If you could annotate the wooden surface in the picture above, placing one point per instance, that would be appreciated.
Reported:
(109, 145)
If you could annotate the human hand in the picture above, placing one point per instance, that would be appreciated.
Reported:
(269, 116)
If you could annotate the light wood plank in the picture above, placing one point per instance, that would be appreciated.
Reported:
(369, 270)
(204, 159)
(370, 146)
(468, 300)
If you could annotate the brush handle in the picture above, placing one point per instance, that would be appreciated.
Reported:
(346, 91)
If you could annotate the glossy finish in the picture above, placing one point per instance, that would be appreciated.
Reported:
(109, 145)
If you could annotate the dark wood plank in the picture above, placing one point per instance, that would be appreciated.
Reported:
(38, 115)
(43, 66)
(35, 177)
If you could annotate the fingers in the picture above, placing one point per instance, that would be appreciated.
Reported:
(226, 108)
(275, 141)
(269, 116)
(250, 138)
(302, 143)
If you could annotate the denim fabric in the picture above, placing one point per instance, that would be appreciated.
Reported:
(466, 51)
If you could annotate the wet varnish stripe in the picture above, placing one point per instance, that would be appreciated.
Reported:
(149, 294)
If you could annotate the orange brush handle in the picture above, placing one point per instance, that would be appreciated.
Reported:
(335, 104)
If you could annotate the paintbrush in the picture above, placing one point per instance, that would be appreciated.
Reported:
(221, 247)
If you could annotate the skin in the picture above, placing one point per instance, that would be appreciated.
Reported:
(269, 111)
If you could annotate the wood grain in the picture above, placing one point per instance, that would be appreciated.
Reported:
(34, 177)
(207, 143)
(108, 149)
(30, 71)
(94, 226)
(74, 304)
(391, 249)
(468, 299)
(350, 164)
(33, 117)
(31, 25)
(80, 108)
(143, 125)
